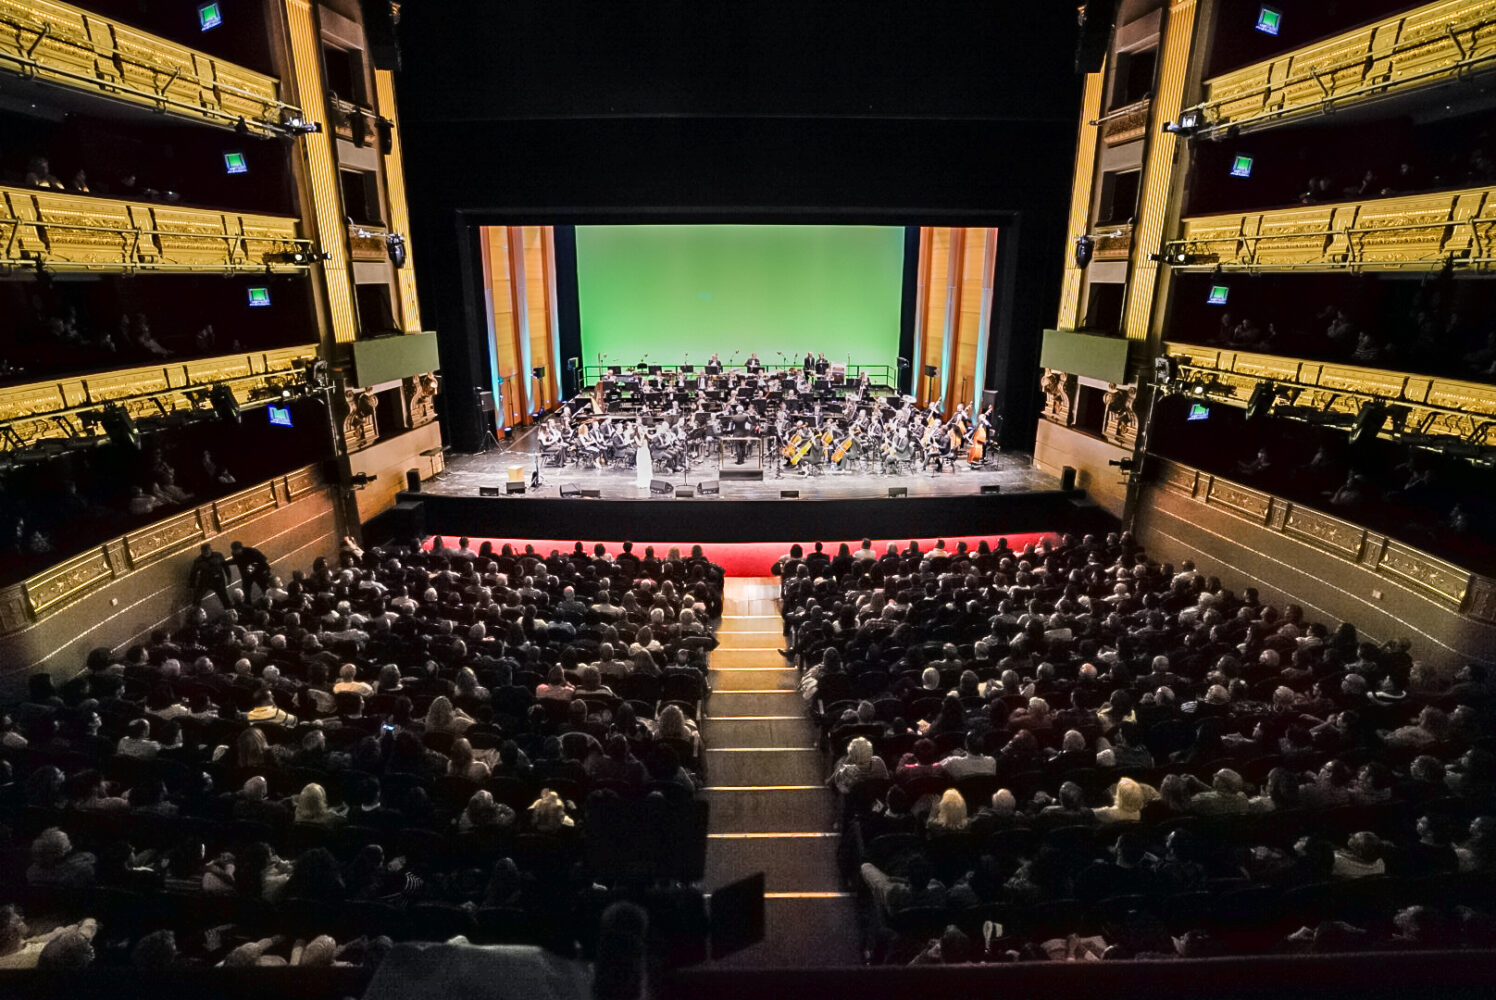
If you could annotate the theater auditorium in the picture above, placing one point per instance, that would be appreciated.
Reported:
(557, 499)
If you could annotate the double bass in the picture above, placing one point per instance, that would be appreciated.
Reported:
(978, 450)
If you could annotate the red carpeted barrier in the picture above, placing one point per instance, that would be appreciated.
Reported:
(746, 558)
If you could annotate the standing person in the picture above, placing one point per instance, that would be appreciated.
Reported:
(253, 567)
(209, 574)
(643, 461)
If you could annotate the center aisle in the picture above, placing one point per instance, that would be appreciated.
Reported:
(770, 810)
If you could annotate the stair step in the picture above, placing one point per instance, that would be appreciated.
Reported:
(769, 639)
(724, 681)
(759, 701)
(804, 932)
(756, 809)
(789, 864)
(786, 731)
(731, 656)
(793, 766)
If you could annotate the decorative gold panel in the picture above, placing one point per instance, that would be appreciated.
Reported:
(78, 232)
(164, 536)
(1113, 242)
(71, 47)
(14, 614)
(1423, 570)
(246, 503)
(1480, 599)
(1179, 478)
(1429, 45)
(367, 243)
(1248, 501)
(1324, 532)
(299, 482)
(68, 581)
(1127, 123)
(1411, 232)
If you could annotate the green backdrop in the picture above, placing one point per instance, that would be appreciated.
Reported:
(670, 290)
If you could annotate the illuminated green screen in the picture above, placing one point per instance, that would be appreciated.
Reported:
(669, 291)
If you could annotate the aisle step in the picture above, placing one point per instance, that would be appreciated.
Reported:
(761, 731)
(758, 701)
(751, 679)
(777, 766)
(731, 656)
(756, 809)
(758, 607)
(804, 932)
(769, 639)
(789, 863)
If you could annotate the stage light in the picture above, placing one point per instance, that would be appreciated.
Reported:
(1199, 390)
(1369, 423)
(538, 371)
(1260, 404)
(120, 427)
(1269, 20)
(394, 243)
(1218, 295)
(209, 16)
(224, 403)
(1085, 247)
(235, 163)
(294, 124)
(1241, 166)
(1188, 124)
(298, 257)
(259, 297)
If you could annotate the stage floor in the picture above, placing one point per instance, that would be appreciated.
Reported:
(1013, 471)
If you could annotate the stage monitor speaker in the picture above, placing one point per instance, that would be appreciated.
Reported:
(898, 491)
(990, 488)
(709, 488)
(789, 494)
(684, 493)
(570, 490)
(489, 491)
(514, 487)
(379, 32)
(661, 487)
(1067, 478)
(413, 480)
(593, 494)
(409, 519)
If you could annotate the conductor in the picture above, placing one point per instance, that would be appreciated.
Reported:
(740, 421)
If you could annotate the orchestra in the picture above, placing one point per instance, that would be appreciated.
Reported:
(809, 420)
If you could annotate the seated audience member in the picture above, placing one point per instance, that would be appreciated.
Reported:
(19, 949)
(859, 764)
(54, 862)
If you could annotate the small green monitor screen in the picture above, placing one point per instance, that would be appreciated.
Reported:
(209, 16)
(259, 296)
(1218, 295)
(680, 293)
(235, 163)
(1199, 411)
(1241, 166)
(1269, 20)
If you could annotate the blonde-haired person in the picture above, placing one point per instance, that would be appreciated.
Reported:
(460, 762)
(674, 724)
(312, 808)
(1128, 800)
(949, 814)
(548, 813)
(859, 764)
(441, 717)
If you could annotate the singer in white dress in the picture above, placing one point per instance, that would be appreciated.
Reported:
(643, 463)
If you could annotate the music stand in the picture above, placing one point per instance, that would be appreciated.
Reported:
(486, 409)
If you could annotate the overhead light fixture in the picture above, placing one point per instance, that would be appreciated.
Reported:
(225, 404)
(1188, 124)
(1260, 404)
(120, 427)
(394, 243)
(1085, 248)
(294, 124)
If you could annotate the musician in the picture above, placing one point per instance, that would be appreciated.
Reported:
(739, 424)
(714, 365)
(810, 362)
(753, 364)
(821, 364)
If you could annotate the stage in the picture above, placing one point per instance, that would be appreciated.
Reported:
(828, 506)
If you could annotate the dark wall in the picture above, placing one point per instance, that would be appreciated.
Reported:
(935, 114)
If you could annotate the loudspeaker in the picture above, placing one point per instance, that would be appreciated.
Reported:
(224, 403)
(379, 33)
(988, 489)
(409, 519)
(593, 494)
(489, 491)
(789, 494)
(1067, 478)
(511, 488)
(570, 490)
(989, 399)
(683, 493)
(661, 487)
(898, 491)
(413, 480)
(709, 488)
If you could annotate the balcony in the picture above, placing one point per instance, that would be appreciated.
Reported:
(52, 411)
(1437, 407)
(64, 45)
(72, 232)
(1126, 124)
(1452, 587)
(1112, 242)
(1434, 44)
(368, 243)
(1420, 232)
(353, 122)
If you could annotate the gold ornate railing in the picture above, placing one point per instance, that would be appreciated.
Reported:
(52, 410)
(58, 586)
(368, 243)
(1112, 242)
(77, 232)
(1433, 44)
(1404, 233)
(1127, 123)
(1456, 588)
(1437, 407)
(63, 44)
(354, 122)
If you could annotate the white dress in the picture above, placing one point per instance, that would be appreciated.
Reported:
(643, 464)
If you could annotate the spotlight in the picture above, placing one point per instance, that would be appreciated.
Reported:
(1165, 370)
(394, 243)
(294, 124)
(120, 427)
(538, 371)
(359, 480)
(1188, 124)
(224, 403)
(1369, 423)
(1261, 402)
(1085, 247)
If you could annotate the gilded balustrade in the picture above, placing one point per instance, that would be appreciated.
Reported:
(1433, 44)
(52, 411)
(368, 243)
(1452, 586)
(62, 231)
(66, 45)
(1127, 123)
(1437, 407)
(1418, 232)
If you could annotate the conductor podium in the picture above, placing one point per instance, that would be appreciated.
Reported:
(741, 458)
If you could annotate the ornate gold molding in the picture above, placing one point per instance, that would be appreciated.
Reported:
(1419, 232)
(50, 410)
(1436, 406)
(1456, 588)
(66, 45)
(367, 243)
(1126, 124)
(1429, 45)
(78, 232)
(72, 579)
